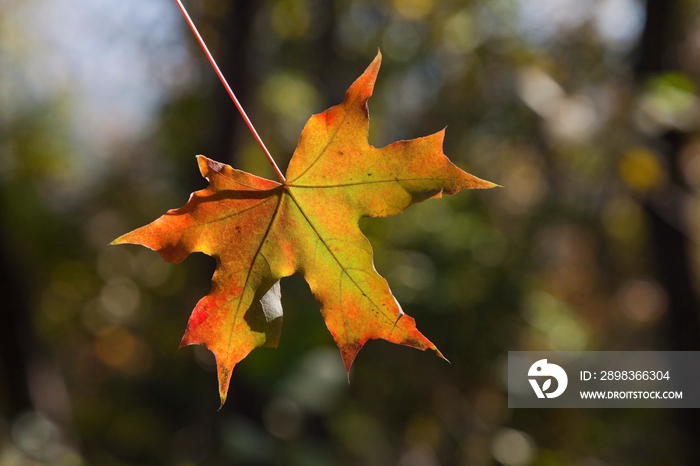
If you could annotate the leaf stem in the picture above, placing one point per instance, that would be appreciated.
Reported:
(229, 90)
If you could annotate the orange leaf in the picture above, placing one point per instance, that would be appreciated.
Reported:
(260, 231)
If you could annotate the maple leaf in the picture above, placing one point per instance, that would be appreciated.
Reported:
(260, 231)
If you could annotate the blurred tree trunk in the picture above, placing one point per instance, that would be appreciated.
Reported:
(234, 58)
(670, 246)
(15, 328)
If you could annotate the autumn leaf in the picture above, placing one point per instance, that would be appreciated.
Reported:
(260, 231)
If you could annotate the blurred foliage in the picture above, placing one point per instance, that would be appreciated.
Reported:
(99, 126)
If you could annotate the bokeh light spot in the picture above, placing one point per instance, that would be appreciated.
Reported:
(413, 9)
(513, 448)
(641, 169)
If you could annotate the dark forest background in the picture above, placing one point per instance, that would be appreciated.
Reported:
(586, 111)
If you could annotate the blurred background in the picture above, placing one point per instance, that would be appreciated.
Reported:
(587, 112)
